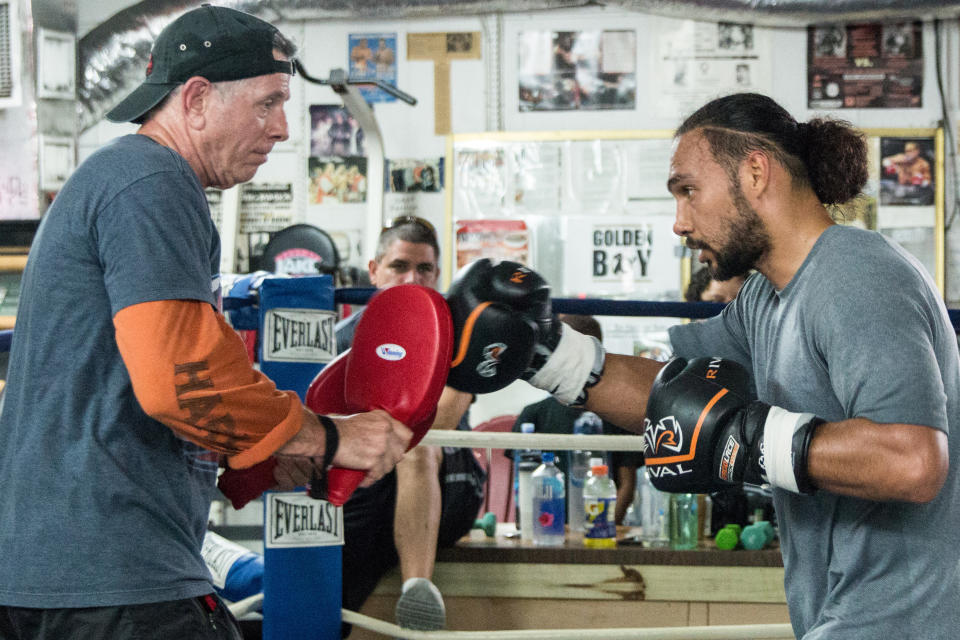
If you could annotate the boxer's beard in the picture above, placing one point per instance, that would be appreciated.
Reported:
(748, 240)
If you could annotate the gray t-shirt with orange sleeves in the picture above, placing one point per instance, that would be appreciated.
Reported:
(860, 331)
(102, 505)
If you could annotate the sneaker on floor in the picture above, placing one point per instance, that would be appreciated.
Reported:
(420, 606)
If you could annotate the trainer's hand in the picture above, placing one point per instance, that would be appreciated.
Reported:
(372, 441)
(294, 471)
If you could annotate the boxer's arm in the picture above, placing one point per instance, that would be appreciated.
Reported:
(864, 459)
(620, 396)
(190, 371)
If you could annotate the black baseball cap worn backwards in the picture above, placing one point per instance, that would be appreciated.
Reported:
(216, 43)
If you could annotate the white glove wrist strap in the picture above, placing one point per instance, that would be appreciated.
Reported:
(778, 446)
(569, 368)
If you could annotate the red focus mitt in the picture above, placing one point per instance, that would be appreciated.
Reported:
(398, 362)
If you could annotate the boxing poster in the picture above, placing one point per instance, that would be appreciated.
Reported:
(415, 175)
(494, 239)
(859, 66)
(577, 70)
(697, 61)
(373, 56)
(907, 170)
(414, 187)
(334, 132)
(337, 180)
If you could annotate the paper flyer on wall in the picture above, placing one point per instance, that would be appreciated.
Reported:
(265, 207)
(481, 179)
(597, 177)
(697, 61)
(625, 254)
(536, 171)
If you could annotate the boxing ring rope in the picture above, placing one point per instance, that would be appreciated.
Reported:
(607, 307)
(728, 632)
(549, 441)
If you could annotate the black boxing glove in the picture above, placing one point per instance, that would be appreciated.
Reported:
(494, 332)
(504, 329)
(703, 432)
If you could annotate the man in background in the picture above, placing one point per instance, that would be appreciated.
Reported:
(705, 288)
(432, 497)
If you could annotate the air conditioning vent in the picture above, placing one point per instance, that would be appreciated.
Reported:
(9, 55)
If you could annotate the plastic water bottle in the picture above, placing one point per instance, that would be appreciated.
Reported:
(518, 455)
(653, 512)
(525, 517)
(600, 506)
(683, 521)
(548, 504)
(237, 572)
(576, 478)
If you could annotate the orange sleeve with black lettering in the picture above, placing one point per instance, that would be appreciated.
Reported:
(190, 371)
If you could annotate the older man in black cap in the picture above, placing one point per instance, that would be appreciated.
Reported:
(127, 389)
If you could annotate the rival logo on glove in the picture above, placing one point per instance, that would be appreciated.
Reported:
(487, 367)
(666, 434)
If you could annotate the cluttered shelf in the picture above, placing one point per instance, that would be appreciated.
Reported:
(504, 547)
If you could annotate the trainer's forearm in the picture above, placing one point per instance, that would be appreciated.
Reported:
(621, 394)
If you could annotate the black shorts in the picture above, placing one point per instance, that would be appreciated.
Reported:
(201, 618)
(369, 551)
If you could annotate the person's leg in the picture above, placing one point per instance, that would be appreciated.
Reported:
(417, 516)
(415, 529)
(417, 520)
(368, 551)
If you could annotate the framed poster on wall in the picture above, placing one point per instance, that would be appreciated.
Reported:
(907, 183)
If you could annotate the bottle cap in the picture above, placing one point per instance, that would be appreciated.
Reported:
(595, 461)
(547, 456)
(599, 469)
